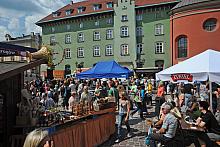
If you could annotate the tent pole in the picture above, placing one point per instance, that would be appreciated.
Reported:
(210, 89)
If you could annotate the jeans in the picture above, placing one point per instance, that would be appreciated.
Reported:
(121, 117)
(187, 99)
(139, 108)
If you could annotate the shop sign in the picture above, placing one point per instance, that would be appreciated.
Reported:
(182, 76)
(7, 52)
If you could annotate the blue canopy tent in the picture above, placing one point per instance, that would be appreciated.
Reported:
(106, 69)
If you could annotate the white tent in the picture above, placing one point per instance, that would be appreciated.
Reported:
(202, 67)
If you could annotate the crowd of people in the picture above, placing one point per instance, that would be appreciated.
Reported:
(135, 96)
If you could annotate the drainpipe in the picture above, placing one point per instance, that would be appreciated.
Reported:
(172, 39)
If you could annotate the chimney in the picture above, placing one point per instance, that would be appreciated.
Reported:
(71, 2)
(32, 33)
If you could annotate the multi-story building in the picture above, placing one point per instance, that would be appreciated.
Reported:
(135, 33)
(32, 41)
(194, 28)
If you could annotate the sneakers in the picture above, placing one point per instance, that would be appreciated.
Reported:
(129, 135)
(117, 140)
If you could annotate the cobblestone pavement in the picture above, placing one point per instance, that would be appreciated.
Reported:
(138, 130)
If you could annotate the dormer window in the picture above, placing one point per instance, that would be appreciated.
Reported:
(56, 14)
(97, 7)
(109, 5)
(68, 12)
(81, 9)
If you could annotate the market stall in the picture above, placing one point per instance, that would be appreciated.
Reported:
(106, 69)
(202, 67)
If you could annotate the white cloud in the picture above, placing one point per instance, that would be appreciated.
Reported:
(13, 24)
(3, 31)
(30, 24)
(17, 20)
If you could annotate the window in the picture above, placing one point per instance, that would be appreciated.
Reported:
(52, 40)
(67, 53)
(139, 48)
(97, 23)
(108, 50)
(96, 7)
(159, 48)
(109, 5)
(81, 9)
(159, 29)
(56, 14)
(53, 29)
(81, 25)
(182, 47)
(109, 34)
(210, 24)
(124, 18)
(80, 37)
(96, 35)
(124, 31)
(124, 50)
(68, 27)
(139, 17)
(96, 51)
(109, 20)
(68, 12)
(139, 31)
(67, 38)
(80, 52)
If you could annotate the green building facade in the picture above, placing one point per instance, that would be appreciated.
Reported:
(133, 35)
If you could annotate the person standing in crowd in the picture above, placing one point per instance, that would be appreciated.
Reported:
(188, 93)
(124, 111)
(149, 92)
(73, 100)
(38, 138)
(208, 121)
(66, 95)
(86, 96)
(133, 93)
(72, 86)
(138, 103)
(97, 91)
(113, 92)
(168, 130)
(160, 99)
(80, 89)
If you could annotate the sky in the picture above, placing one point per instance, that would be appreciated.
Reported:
(18, 17)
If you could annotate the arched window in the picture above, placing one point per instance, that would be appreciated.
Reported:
(182, 47)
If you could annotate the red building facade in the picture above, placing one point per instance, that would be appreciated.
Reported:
(195, 27)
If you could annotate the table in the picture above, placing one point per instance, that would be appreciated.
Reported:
(186, 126)
(87, 133)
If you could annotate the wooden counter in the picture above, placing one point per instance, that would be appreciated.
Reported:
(86, 133)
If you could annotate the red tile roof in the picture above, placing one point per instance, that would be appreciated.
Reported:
(89, 8)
